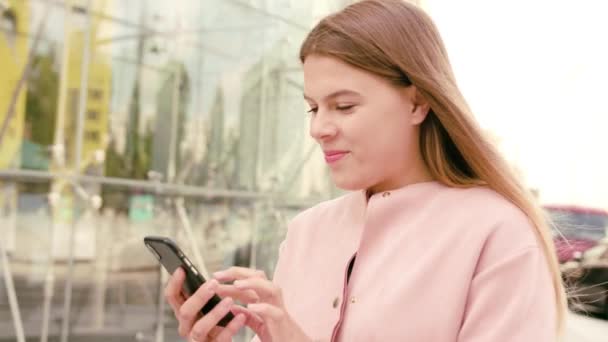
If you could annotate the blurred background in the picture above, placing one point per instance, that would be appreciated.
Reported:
(185, 118)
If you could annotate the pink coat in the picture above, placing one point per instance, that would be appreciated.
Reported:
(433, 264)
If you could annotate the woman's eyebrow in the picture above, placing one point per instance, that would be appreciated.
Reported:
(335, 94)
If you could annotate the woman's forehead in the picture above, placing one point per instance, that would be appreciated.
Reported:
(327, 76)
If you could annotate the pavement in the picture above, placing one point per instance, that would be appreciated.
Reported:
(586, 329)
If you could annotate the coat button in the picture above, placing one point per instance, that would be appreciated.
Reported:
(336, 302)
(386, 194)
(353, 300)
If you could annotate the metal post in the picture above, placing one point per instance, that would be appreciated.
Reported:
(175, 108)
(254, 235)
(259, 172)
(160, 314)
(253, 251)
(82, 106)
(49, 281)
(171, 170)
(101, 271)
(12, 296)
(183, 216)
(162, 280)
(65, 326)
(59, 138)
(94, 204)
(259, 155)
(59, 162)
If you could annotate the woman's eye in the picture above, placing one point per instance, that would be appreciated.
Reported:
(344, 108)
(312, 110)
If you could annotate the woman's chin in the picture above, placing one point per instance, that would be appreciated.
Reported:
(349, 184)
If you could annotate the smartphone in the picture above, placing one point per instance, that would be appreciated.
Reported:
(171, 257)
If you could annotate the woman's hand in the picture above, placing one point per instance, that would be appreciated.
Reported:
(192, 325)
(267, 316)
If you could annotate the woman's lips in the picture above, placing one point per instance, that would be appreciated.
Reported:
(334, 156)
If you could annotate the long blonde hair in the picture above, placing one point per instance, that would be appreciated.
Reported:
(398, 41)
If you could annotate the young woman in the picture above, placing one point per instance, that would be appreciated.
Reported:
(436, 242)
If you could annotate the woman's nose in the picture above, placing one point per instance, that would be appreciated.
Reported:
(322, 127)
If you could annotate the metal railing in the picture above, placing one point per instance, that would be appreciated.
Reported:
(178, 209)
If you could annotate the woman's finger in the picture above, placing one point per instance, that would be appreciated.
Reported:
(267, 311)
(276, 324)
(189, 311)
(215, 331)
(231, 329)
(243, 296)
(173, 290)
(253, 320)
(265, 289)
(203, 326)
(233, 273)
(251, 317)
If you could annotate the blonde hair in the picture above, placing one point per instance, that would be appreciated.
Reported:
(399, 42)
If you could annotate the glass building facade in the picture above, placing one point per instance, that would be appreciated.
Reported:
(122, 119)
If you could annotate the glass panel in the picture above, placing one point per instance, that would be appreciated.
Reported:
(204, 94)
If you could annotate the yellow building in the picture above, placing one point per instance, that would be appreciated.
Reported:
(94, 136)
(95, 127)
(14, 26)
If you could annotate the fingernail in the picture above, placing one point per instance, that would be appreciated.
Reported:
(213, 284)
(228, 301)
(238, 284)
(218, 274)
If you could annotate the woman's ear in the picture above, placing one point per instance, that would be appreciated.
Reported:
(421, 107)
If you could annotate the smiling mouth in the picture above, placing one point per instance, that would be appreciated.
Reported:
(333, 157)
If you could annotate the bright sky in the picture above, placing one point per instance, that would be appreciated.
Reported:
(535, 73)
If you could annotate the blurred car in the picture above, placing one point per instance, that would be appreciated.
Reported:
(587, 279)
(576, 229)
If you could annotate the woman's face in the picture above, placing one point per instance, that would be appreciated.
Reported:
(367, 128)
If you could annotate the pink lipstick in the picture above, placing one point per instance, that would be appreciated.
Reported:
(334, 156)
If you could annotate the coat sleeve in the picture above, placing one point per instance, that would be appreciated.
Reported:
(511, 299)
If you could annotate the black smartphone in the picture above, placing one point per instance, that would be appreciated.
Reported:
(171, 257)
